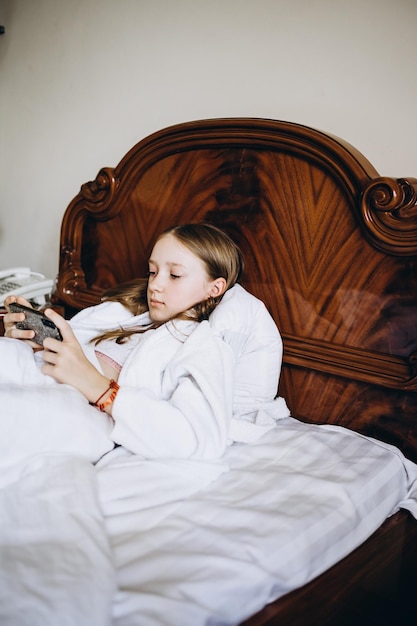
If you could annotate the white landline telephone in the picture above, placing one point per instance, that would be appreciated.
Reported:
(20, 281)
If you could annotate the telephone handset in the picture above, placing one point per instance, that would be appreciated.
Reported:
(20, 281)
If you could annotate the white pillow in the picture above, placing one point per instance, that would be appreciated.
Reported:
(245, 324)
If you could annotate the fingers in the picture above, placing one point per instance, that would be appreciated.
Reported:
(61, 323)
(18, 299)
(9, 300)
(10, 320)
(11, 331)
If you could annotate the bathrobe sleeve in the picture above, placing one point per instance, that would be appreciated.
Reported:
(190, 416)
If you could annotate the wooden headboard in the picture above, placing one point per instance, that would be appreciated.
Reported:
(330, 247)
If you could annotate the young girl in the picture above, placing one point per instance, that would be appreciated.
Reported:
(164, 378)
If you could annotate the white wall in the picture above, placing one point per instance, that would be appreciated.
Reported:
(81, 81)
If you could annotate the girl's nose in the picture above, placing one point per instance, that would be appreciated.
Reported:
(157, 284)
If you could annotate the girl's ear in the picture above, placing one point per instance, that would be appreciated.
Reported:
(217, 287)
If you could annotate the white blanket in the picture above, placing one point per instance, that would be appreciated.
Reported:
(39, 416)
(56, 564)
(158, 543)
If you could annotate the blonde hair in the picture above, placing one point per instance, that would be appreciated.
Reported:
(220, 256)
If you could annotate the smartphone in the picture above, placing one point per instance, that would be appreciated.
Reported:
(35, 320)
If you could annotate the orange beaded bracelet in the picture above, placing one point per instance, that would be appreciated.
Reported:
(112, 386)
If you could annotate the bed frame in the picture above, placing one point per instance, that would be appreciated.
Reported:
(331, 248)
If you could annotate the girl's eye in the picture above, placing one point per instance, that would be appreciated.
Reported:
(151, 273)
(174, 276)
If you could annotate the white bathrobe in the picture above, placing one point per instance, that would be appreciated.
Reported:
(176, 393)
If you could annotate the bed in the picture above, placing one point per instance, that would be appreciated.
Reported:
(315, 522)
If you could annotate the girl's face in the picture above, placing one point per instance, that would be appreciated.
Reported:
(177, 280)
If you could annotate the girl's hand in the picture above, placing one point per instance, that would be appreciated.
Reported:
(66, 363)
(10, 319)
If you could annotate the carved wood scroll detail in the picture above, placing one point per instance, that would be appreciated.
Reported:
(95, 198)
(99, 193)
(71, 278)
(389, 210)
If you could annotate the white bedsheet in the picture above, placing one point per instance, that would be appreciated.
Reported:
(143, 543)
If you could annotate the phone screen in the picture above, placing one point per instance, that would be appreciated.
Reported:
(37, 321)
